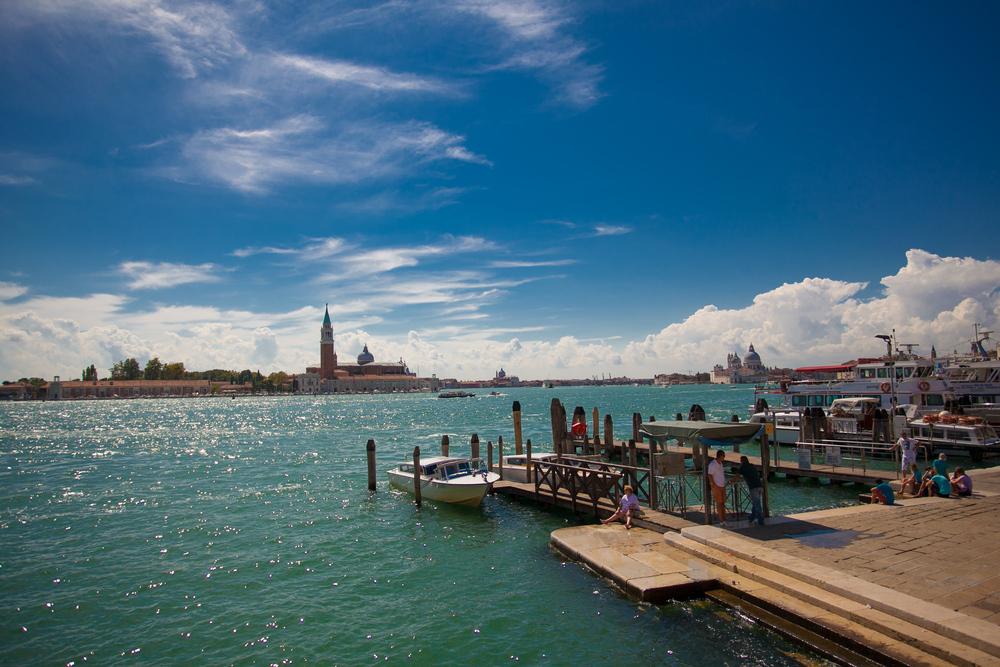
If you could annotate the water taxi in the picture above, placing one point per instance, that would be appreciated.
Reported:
(451, 480)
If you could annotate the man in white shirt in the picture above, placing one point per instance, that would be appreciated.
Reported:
(717, 475)
(908, 447)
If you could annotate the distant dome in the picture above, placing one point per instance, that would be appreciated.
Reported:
(751, 355)
(365, 357)
(501, 374)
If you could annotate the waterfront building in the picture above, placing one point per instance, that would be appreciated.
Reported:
(69, 389)
(749, 370)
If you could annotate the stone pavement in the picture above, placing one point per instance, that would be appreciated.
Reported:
(945, 551)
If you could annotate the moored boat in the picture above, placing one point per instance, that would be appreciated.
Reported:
(515, 466)
(954, 434)
(456, 394)
(451, 480)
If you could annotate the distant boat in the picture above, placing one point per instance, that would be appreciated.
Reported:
(547, 384)
(455, 394)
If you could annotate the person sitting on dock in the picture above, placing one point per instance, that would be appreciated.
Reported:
(915, 479)
(924, 484)
(961, 482)
(627, 508)
(941, 465)
(749, 472)
(717, 475)
(882, 493)
(937, 485)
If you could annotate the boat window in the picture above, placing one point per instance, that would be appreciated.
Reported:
(515, 461)
(800, 401)
(933, 399)
(463, 467)
(907, 372)
(882, 372)
(405, 467)
(962, 435)
(816, 401)
(429, 470)
(867, 373)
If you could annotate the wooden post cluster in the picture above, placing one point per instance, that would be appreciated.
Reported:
(370, 449)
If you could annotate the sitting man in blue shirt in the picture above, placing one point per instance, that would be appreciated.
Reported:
(882, 493)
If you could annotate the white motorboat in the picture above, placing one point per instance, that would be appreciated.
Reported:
(954, 434)
(847, 417)
(451, 480)
(456, 394)
(515, 466)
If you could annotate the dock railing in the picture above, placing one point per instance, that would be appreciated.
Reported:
(587, 481)
(850, 455)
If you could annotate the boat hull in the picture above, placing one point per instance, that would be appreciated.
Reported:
(466, 491)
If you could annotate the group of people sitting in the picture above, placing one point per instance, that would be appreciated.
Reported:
(933, 481)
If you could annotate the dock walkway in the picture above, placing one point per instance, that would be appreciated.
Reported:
(909, 584)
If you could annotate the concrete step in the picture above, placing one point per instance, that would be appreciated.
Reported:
(904, 625)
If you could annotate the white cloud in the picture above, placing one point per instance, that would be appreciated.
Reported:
(375, 78)
(521, 264)
(812, 321)
(610, 230)
(147, 275)
(304, 149)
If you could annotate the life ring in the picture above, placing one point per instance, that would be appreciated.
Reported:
(579, 428)
(924, 385)
(885, 387)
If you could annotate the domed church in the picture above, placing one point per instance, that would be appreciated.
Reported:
(748, 371)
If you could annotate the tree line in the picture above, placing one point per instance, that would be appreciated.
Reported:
(129, 369)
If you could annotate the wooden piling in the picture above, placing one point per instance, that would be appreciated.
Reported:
(500, 455)
(609, 435)
(416, 474)
(632, 462)
(475, 445)
(558, 415)
(706, 488)
(765, 464)
(370, 449)
(517, 427)
(636, 422)
(489, 455)
(528, 472)
(445, 445)
(597, 426)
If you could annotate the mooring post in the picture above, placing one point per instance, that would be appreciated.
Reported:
(527, 463)
(370, 449)
(597, 426)
(489, 455)
(500, 454)
(765, 464)
(517, 428)
(632, 463)
(416, 474)
(475, 445)
(636, 422)
(735, 419)
(557, 431)
(706, 486)
(445, 445)
(652, 474)
(609, 436)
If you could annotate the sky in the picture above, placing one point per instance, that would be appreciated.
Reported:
(558, 189)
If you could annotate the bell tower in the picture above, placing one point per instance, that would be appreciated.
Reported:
(327, 355)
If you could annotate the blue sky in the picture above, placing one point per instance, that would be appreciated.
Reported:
(561, 189)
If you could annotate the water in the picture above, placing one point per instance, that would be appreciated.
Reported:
(212, 531)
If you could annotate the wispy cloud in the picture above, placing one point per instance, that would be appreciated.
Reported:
(147, 275)
(6, 179)
(537, 40)
(249, 251)
(304, 149)
(375, 78)
(384, 260)
(515, 264)
(10, 291)
(611, 230)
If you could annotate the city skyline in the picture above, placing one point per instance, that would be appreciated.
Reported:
(558, 189)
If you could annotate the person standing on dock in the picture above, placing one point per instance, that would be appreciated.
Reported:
(717, 474)
(908, 449)
(755, 486)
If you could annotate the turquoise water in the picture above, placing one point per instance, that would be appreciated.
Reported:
(212, 531)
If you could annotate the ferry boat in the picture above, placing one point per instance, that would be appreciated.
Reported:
(894, 381)
(456, 394)
(515, 466)
(451, 480)
(847, 417)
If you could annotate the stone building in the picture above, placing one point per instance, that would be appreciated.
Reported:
(749, 370)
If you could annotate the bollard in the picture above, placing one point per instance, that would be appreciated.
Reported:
(370, 449)
(416, 474)
(517, 427)
(445, 445)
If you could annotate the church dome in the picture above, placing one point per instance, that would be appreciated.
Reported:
(365, 357)
(751, 355)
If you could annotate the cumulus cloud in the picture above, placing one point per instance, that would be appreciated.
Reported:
(811, 321)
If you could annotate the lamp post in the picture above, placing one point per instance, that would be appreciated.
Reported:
(892, 372)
